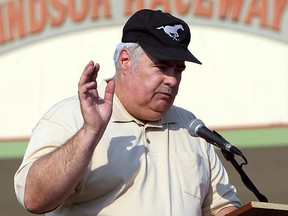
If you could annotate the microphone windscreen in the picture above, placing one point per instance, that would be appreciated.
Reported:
(194, 126)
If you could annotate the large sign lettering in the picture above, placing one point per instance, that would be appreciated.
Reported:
(25, 21)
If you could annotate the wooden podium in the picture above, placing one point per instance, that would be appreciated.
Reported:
(261, 209)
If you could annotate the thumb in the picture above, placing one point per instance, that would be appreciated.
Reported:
(109, 91)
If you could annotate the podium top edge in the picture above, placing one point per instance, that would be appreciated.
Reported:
(276, 206)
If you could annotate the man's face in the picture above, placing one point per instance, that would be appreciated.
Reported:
(151, 87)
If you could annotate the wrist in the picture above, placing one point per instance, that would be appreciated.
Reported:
(91, 135)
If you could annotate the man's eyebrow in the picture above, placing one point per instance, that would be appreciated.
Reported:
(158, 61)
(169, 63)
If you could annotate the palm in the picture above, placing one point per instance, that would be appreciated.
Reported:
(96, 111)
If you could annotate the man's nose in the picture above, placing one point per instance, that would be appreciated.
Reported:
(171, 78)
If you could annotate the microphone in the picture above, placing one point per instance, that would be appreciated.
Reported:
(197, 128)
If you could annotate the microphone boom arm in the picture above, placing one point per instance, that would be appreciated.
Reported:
(197, 128)
(245, 179)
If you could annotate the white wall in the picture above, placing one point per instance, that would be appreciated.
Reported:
(243, 79)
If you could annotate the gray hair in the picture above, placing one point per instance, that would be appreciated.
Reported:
(134, 48)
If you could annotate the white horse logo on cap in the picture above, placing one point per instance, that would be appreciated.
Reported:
(172, 30)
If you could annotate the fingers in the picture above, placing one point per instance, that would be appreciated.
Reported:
(109, 91)
(87, 80)
(89, 74)
(95, 72)
(87, 86)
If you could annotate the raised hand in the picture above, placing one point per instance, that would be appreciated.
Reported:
(96, 111)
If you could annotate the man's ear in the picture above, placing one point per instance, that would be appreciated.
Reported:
(124, 60)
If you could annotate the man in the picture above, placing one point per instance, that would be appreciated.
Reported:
(127, 153)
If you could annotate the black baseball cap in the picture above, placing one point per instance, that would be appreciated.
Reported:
(160, 34)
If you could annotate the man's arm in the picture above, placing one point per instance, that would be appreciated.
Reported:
(226, 210)
(53, 177)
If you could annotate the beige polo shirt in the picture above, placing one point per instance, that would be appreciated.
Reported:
(137, 169)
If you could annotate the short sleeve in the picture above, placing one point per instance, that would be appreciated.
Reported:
(221, 193)
(52, 131)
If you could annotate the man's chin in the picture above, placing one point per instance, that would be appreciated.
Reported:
(163, 108)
